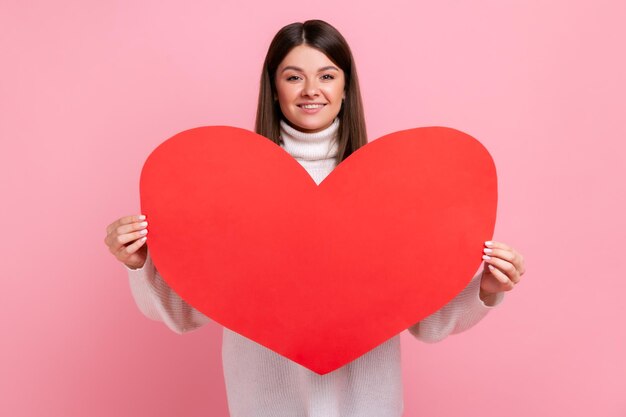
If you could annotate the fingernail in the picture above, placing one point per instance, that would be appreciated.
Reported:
(142, 217)
(486, 257)
(143, 232)
(489, 243)
(143, 239)
(143, 224)
(487, 250)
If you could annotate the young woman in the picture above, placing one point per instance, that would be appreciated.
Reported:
(310, 104)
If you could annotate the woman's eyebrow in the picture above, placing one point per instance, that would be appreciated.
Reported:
(329, 67)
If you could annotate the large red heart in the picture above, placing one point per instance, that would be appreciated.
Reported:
(320, 274)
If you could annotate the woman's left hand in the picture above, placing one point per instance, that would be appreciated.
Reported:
(503, 268)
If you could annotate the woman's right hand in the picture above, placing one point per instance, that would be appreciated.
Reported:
(126, 238)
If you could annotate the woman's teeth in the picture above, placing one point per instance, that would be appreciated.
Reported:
(311, 106)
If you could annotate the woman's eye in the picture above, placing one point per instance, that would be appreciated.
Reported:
(292, 78)
(328, 77)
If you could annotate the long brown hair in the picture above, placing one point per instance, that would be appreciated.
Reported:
(324, 37)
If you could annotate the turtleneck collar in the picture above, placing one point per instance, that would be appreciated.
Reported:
(310, 146)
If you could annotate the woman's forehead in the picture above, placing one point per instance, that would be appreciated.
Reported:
(307, 58)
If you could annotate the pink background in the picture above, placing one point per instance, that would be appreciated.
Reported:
(88, 89)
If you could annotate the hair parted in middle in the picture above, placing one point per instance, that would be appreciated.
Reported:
(324, 37)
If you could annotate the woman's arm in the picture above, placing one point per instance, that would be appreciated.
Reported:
(158, 301)
(461, 313)
(126, 239)
(502, 271)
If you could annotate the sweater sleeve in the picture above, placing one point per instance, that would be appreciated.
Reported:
(158, 301)
(461, 313)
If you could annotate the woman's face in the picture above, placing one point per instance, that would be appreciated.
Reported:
(309, 88)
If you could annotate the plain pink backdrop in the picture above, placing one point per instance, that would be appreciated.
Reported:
(88, 89)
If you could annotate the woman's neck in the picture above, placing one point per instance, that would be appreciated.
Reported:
(310, 146)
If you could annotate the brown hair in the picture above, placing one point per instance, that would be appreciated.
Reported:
(324, 37)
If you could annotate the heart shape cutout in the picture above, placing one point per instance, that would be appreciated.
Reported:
(319, 274)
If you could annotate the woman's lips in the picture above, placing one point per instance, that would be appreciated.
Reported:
(311, 108)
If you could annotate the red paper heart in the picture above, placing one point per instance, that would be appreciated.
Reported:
(320, 274)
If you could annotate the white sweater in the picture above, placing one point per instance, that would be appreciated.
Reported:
(261, 383)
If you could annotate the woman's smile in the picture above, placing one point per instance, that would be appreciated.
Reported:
(311, 108)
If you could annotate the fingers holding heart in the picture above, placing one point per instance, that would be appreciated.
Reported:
(503, 261)
(126, 238)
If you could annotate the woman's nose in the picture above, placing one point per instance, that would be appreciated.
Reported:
(310, 88)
